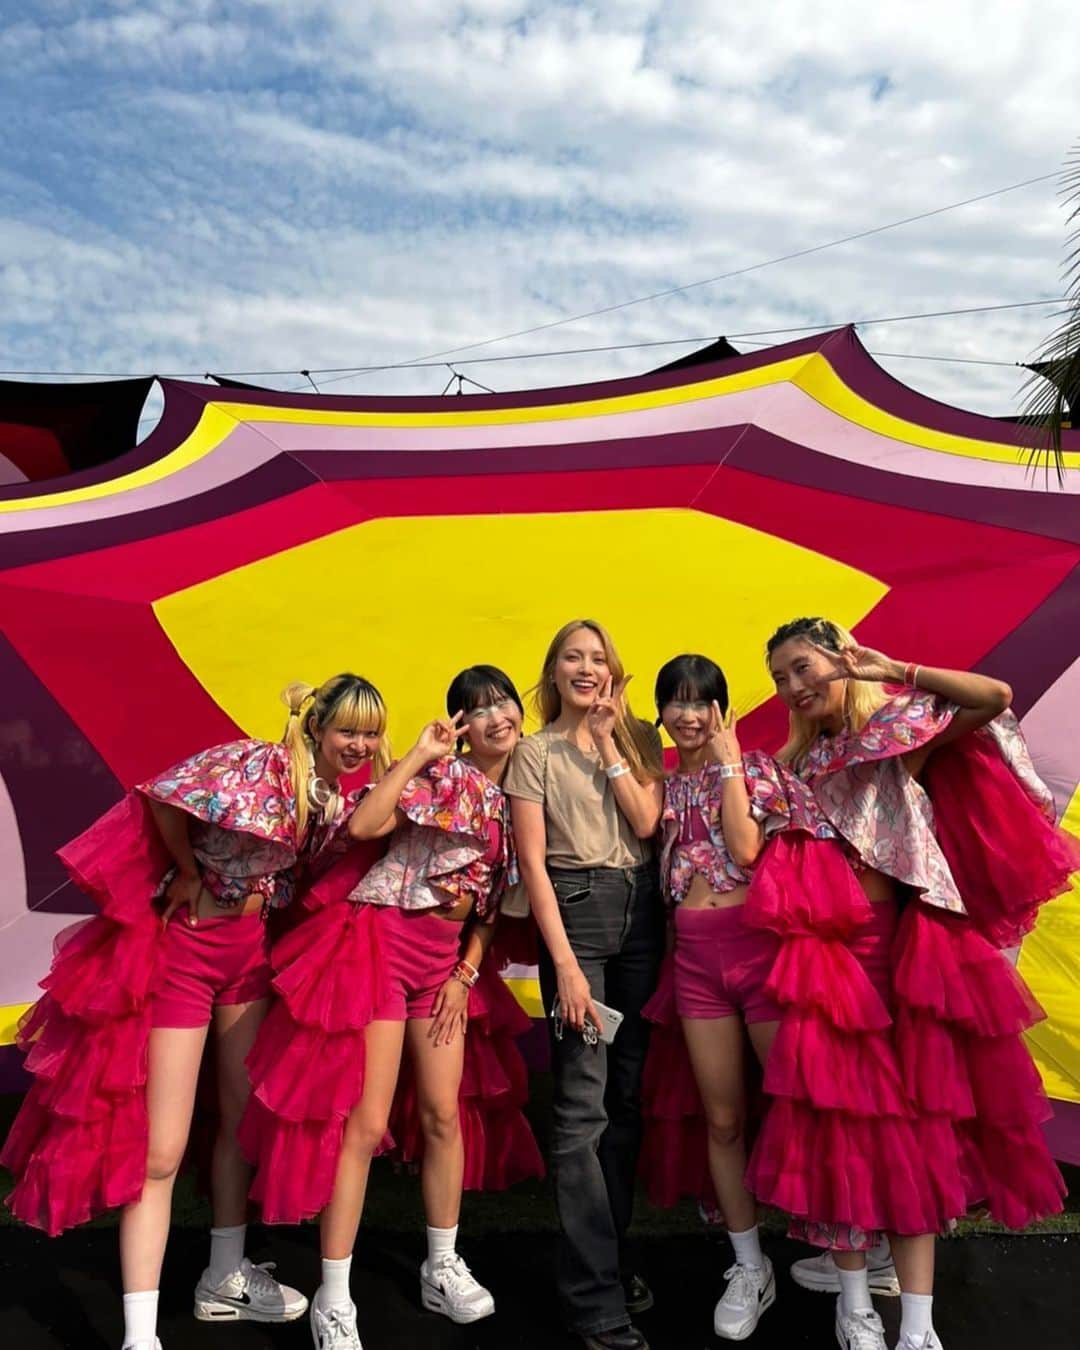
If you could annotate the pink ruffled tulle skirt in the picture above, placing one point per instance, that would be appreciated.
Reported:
(78, 1144)
(307, 1068)
(838, 1148)
(1006, 856)
(961, 1009)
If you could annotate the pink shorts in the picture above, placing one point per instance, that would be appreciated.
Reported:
(721, 965)
(418, 951)
(218, 961)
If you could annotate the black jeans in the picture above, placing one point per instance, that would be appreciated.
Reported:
(614, 921)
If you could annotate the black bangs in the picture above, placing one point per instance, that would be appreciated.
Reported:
(691, 679)
(479, 687)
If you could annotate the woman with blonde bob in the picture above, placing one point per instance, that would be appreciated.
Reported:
(586, 793)
(185, 870)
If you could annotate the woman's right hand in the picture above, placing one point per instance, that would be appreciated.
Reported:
(184, 889)
(438, 738)
(575, 997)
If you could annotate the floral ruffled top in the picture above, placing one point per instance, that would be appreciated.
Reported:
(455, 843)
(692, 837)
(865, 791)
(243, 829)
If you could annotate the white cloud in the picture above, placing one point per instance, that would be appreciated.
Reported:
(245, 186)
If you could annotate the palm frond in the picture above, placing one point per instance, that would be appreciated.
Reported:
(1055, 378)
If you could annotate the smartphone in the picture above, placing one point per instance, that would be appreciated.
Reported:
(610, 1021)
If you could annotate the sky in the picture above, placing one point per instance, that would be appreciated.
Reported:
(192, 185)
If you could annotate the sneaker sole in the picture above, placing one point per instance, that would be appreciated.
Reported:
(207, 1311)
(883, 1282)
(768, 1299)
(435, 1302)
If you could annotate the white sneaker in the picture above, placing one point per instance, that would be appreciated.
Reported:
(451, 1289)
(155, 1344)
(334, 1328)
(929, 1342)
(750, 1291)
(859, 1331)
(819, 1273)
(249, 1294)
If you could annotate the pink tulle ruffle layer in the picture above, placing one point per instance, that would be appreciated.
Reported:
(1007, 857)
(307, 1070)
(961, 1009)
(838, 1145)
(78, 1144)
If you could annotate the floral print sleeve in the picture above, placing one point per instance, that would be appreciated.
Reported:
(241, 786)
(780, 800)
(456, 843)
(907, 722)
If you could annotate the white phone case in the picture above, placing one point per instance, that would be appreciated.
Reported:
(610, 1019)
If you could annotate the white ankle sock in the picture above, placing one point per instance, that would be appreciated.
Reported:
(747, 1247)
(226, 1251)
(140, 1317)
(441, 1243)
(916, 1317)
(854, 1291)
(334, 1290)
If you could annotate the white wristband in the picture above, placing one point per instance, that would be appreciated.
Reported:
(732, 771)
(617, 770)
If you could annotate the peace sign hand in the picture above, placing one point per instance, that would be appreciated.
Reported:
(603, 711)
(439, 737)
(860, 663)
(724, 745)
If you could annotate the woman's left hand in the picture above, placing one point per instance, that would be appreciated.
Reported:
(862, 663)
(451, 1012)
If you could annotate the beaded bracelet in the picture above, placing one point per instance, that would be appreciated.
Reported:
(461, 973)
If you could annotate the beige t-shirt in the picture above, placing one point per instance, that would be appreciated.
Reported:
(585, 827)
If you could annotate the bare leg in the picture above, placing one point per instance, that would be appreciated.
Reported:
(235, 1026)
(438, 1071)
(718, 1060)
(364, 1131)
(172, 1075)
(914, 1260)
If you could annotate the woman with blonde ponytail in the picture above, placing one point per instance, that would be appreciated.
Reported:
(185, 870)
(585, 794)
(367, 1044)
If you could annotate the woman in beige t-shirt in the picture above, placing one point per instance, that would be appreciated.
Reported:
(585, 794)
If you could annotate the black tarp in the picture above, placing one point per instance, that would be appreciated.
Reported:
(720, 350)
(52, 429)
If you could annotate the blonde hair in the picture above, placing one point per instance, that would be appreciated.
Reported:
(635, 745)
(348, 701)
(862, 698)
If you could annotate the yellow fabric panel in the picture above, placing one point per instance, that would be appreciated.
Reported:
(527, 993)
(1050, 962)
(9, 1021)
(409, 602)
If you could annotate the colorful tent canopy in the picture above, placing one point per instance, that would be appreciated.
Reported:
(159, 602)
